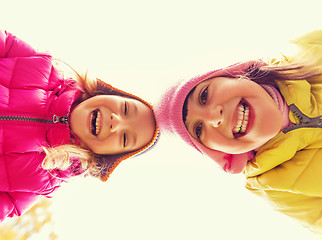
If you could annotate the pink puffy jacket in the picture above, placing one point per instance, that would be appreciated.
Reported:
(32, 95)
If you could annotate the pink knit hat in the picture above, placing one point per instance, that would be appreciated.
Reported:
(168, 114)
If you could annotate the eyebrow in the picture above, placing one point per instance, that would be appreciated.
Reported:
(198, 89)
(194, 96)
(189, 124)
(189, 127)
(135, 108)
(134, 141)
(185, 105)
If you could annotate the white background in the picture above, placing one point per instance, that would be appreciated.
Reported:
(142, 46)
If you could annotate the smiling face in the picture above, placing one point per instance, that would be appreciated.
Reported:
(110, 124)
(232, 115)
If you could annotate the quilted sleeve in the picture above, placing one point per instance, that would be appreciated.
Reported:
(16, 203)
(269, 156)
(11, 46)
(312, 39)
(306, 210)
(294, 188)
(309, 46)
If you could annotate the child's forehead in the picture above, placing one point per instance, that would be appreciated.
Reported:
(213, 79)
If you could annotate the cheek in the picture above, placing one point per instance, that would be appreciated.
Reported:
(75, 123)
(106, 146)
(214, 140)
(272, 122)
(269, 120)
(79, 119)
(217, 141)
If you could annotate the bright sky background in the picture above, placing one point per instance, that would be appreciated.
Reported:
(142, 46)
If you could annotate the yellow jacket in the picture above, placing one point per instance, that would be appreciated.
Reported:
(288, 169)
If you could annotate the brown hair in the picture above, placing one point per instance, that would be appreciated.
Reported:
(272, 73)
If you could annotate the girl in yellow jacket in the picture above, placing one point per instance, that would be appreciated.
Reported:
(262, 119)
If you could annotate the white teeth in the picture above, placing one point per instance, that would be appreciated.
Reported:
(242, 118)
(97, 122)
(98, 118)
(90, 122)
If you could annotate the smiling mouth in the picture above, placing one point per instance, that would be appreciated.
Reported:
(242, 119)
(95, 122)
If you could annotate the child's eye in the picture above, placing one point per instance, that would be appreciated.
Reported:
(198, 130)
(126, 108)
(124, 139)
(204, 95)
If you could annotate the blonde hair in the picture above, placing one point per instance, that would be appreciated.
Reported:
(61, 157)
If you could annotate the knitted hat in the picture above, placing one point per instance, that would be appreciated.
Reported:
(109, 162)
(168, 114)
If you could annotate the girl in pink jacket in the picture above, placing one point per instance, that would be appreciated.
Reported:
(52, 128)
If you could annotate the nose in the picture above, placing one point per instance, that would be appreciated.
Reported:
(214, 116)
(116, 123)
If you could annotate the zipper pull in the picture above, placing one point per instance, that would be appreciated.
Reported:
(63, 119)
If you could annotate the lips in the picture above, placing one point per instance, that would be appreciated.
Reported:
(95, 122)
(242, 119)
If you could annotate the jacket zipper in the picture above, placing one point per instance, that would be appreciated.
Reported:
(55, 119)
(305, 121)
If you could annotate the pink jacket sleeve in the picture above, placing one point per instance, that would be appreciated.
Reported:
(11, 46)
(16, 203)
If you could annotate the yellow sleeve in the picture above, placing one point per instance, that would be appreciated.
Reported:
(272, 154)
(294, 188)
(306, 210)
(313, 38)
(309, 47)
